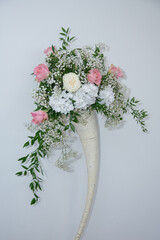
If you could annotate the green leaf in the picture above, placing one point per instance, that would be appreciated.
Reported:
(41, 170)
(31, 137)
(33, 154)
(66, 127)
(23, 158)
(31, 185)
(33, 141)
(61, 124)
(37, 169)
(59, 131)
(63, 29)
(67, 30)
(19, 173)
(72, 38)
(40, 179)
(24, 167)
(40, 154)
(65, 43)
(75, 120)
(34, 200)
(53, 49)
(31, 171)
(26, 144)
(36, 196)
(72, 127)
(39, 139)
(39, 186)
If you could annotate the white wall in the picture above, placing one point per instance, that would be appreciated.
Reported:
(128, 196)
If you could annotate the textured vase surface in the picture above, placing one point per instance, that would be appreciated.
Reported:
(89, 137)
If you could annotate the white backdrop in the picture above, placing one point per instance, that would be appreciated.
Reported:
(127, 202)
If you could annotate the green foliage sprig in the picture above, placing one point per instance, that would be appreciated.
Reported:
(31, 164)
(66, 39)
(139, 115)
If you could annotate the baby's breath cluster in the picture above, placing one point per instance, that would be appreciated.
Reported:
(70, 85)
(40, 96)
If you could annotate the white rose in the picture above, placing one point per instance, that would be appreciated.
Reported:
(71, 82)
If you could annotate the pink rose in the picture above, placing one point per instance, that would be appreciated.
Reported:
(49, 50)
(94, 76)
(39, 117)
(41, 72)
(116, 71)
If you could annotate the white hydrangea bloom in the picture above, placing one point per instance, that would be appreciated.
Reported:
(107, 96)
(85, 96)
(61, 102)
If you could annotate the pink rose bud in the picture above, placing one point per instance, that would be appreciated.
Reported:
(39, 117)
(49, 50)
(41, 72)
(94, 76)
(116, 71)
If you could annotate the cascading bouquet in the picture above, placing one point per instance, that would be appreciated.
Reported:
(70, 85)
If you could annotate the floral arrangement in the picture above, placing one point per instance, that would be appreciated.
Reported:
(70, 85)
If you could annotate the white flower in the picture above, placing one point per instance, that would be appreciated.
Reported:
(61, 102)
(71, 82)
(85, 96)
(107, 96)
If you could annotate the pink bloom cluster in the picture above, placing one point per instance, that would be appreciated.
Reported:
(41, 72)
(49, 50)
(94, 76)
(116, 71)
(39, 117)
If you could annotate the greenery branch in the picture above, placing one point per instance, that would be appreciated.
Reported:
(139, 115)
(66, 39)
(32, 166)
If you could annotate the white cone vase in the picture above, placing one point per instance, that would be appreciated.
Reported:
(89, 137)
